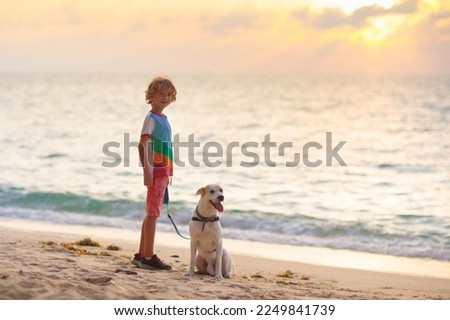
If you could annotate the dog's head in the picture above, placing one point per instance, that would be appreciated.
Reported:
(212, 193)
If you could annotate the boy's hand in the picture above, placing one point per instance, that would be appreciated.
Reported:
(146, 155)
(148, 177)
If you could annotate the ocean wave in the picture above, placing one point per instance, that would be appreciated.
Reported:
(397, 236)
(69, 202)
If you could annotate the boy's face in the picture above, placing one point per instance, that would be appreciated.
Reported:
(162, 98)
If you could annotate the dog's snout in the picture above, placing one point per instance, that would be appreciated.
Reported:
(221, 198)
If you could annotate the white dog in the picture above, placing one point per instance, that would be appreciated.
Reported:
(206, 235)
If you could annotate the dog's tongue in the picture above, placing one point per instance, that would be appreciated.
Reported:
(218, 206)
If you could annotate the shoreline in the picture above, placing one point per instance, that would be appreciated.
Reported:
(342, 258)
(32, 254)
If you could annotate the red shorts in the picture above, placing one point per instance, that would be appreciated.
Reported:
(155, 196)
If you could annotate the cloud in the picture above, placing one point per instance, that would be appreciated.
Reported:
(232, 22)
(331, 18)
(230, 38)
(406, 7)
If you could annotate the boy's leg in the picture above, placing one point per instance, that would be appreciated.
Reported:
(155, 197)
(148, 231)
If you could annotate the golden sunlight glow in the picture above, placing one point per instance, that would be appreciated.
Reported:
(226, 36)
(349, 6)
(380, 29)
(435, 5)
(443, 23)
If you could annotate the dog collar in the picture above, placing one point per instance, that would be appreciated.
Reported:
(203, 219)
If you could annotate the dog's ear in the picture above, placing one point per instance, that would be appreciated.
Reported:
(201, 191)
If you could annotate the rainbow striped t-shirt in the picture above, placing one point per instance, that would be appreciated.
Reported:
(157, 127)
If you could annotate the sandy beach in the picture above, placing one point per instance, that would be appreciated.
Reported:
(41, 261)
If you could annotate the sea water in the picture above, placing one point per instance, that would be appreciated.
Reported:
(347, 162)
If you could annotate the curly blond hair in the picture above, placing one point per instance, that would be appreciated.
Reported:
(157, 84)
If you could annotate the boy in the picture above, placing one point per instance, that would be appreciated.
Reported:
(155, 152)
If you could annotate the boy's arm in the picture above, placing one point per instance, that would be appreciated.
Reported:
(146, 157)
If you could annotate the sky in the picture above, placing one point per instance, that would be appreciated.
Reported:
(231, 37)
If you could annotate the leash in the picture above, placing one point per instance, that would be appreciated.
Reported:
(174, 225)
(166, 202)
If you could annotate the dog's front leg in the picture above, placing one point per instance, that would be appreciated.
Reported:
(194, 245)
(219, 252)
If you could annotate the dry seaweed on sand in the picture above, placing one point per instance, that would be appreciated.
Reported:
(285, 274)
(48, 243)
(257, 275)
(71, 247)
(88, 242)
